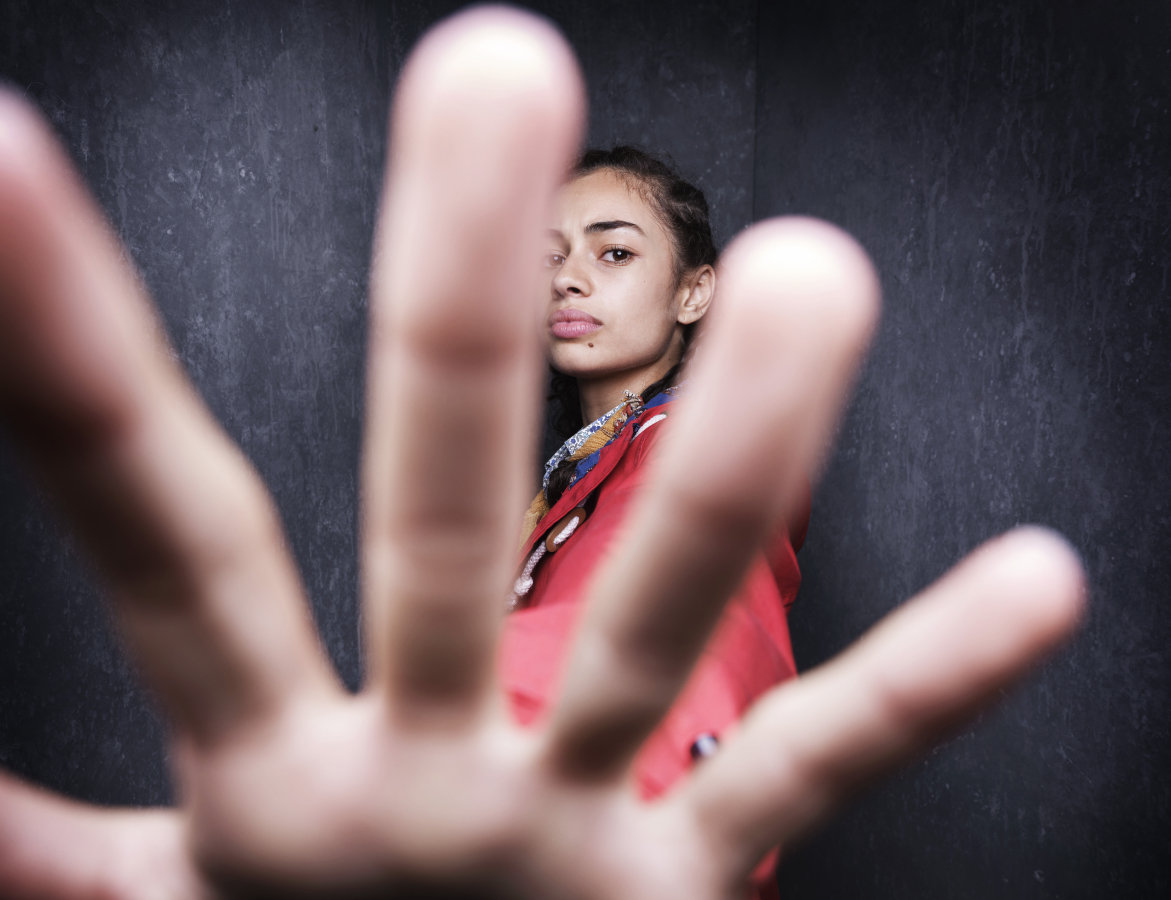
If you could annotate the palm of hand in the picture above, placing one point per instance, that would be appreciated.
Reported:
(422, 783)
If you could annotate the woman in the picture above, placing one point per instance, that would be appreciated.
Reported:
(632, 274)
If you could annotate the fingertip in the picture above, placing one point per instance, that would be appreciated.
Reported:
(37, 180)
(15, 111)
(497, 55)
(24, 135)
(816, 266)
(1039, 564)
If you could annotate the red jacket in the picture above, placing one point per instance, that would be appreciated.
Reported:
(748, 654)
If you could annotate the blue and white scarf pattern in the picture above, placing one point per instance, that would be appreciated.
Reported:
(576, 442)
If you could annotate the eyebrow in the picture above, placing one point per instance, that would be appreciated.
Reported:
(599, 227)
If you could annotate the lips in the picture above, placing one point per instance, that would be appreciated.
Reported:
(572, 323)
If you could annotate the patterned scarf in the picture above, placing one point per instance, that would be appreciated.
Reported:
(584, 447)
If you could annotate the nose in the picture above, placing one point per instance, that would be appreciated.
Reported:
(572, 279)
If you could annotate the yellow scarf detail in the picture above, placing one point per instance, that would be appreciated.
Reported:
(599, 439)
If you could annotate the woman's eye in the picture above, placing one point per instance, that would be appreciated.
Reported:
(617, 255)
(554, 260)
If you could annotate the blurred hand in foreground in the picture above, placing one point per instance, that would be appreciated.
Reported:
(421, 785)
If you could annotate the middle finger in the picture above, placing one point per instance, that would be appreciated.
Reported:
(486, 119)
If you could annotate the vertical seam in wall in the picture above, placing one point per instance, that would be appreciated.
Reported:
(755, 113)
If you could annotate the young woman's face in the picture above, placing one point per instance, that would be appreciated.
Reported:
(614, 303)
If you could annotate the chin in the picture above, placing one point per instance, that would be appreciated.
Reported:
(578, 361)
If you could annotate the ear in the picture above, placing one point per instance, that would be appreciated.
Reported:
(696, 292)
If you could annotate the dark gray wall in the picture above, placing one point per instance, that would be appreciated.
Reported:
(1004, 164)
(1007, 166)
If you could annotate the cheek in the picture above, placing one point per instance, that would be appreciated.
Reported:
(644, 325)
(635, 336)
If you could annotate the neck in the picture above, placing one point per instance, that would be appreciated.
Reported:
(600, 395)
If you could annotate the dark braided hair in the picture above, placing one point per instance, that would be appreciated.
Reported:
(682, 209)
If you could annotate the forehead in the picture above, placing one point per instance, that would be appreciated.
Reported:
(605, 196)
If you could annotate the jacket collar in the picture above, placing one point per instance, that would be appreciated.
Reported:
(591, 471)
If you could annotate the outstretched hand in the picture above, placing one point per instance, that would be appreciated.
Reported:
(421, 783)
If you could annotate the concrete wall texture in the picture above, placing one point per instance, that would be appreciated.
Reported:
(1006, 164)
